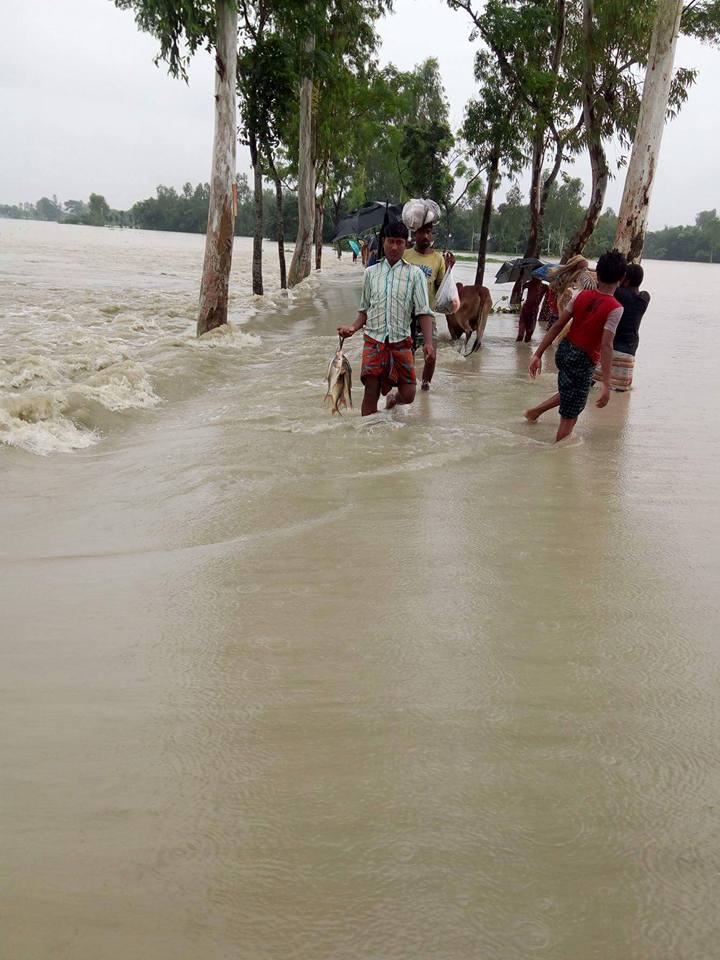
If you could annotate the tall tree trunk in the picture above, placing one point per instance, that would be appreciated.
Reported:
(257, 279)
(547, 186)
(560, 31)
(538, 158)
(632, 219)
(319, 225)
(300, 264)
(600, 177)
(279, 213)
(487, 214)
(280, 231)
(221, 217)
(539, 193)
(598, 160)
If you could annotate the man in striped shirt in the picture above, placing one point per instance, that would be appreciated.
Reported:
(392, 291)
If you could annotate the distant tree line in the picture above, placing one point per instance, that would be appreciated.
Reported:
(186, 211)
(564, 212)
(94, 213)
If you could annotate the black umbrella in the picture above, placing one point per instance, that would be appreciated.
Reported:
(369, 216)
(518, 269)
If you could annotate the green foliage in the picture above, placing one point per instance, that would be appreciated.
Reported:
(700, 242)
(350, 103)
(18, 211)
(268, 64)
(564, 212)
(169, 210)
(603, 237)
(701, 19)
(508, 227)
(187, 211)
(76, 209)
(408, 153)
(551, 80)
(47, 209)
(424, 148)
(490, 126)
(98, 210)
(181, 26)
(95, 213)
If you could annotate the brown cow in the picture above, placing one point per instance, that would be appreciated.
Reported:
(475, 305)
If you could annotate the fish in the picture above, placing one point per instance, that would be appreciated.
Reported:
(339, 380)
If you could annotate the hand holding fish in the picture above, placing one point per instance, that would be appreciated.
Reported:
(348, 329)
(339, 377)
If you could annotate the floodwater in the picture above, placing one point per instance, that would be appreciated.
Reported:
(276, 685)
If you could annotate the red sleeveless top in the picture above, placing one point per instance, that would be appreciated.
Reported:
(593, 312)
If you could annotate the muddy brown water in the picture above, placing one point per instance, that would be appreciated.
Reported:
(277, 685)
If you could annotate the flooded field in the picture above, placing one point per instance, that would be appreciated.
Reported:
(277, 685)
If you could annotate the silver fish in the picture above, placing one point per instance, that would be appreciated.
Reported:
(339, 379)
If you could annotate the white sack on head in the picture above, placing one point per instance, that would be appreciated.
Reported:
(417, 213)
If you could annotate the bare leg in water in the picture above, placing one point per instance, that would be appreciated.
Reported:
(405, 393)
(532, 414)
(427, 373)
(522, 329)
(530, 328)
(566, 426)
(565, 429)
(371, 396)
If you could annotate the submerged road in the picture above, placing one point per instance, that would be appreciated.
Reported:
(279, 686)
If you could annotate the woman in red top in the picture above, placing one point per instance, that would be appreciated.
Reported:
(595, 315)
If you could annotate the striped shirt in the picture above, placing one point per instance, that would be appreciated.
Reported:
(390, 296)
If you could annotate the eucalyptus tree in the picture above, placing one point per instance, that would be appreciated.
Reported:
(612, 50)
(371, 113)
(632, 218)
(524, 44)
(345, 128)
(300, 263)
(339, 43)
(409, 99)
(182, 28)
(266, 91)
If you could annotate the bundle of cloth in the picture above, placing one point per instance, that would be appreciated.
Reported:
(563, 280)
(418, 213)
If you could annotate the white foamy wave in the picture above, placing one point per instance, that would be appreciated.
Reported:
(228, 336)
(30, 370)
(42, 419)
(35, 422)
(121, 386)
(92, 336)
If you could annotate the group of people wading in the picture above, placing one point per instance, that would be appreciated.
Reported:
(597, 319)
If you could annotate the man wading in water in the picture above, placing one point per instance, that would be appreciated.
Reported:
(433, 264)
(392, 291)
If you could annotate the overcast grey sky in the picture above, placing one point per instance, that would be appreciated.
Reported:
(83, 108)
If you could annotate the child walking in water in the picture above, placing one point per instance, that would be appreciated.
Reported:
(595, 315)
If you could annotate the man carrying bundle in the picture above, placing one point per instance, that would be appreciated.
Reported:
(392, 291)
(433, 265)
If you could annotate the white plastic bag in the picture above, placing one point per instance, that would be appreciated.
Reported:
(417, 213)
(447, 299)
